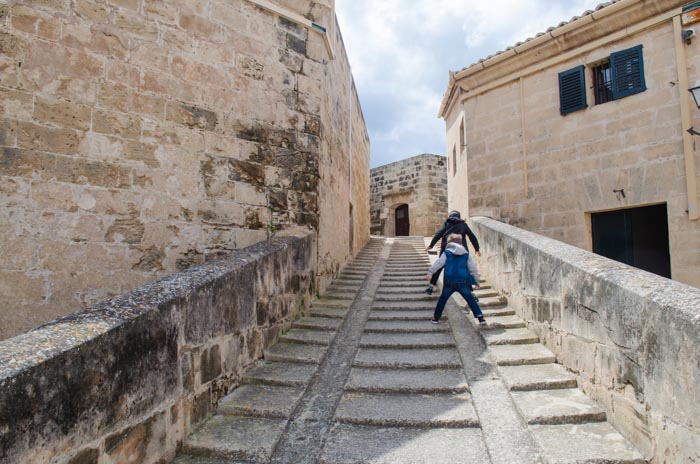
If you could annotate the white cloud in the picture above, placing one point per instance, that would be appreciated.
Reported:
(401, 51)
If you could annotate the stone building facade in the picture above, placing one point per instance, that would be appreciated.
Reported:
(409, 197)
(580, 134)
(141, 137)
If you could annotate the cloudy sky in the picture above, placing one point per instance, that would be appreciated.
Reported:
(402, 50)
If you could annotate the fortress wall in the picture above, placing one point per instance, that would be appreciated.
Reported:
(632, 337)
(138, 138)
(126, 380)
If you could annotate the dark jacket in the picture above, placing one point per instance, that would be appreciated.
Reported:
(454, 225)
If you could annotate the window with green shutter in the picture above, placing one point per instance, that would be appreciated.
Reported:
(572, 90)
(627, 72)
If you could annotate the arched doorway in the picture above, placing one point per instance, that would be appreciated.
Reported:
(402, 221)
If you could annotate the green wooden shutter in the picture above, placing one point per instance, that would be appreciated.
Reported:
(572, 90)
(627, 72)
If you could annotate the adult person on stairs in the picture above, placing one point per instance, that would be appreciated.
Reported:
(453, 225)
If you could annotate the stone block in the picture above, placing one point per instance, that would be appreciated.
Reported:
(47, 139)
(34, 22)
(201, 26)
(116, 123)
(135, 25)
(62, 113)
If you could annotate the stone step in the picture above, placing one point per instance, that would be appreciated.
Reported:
(243, 438)
(562, 406)
(504, 322)
(319, 323)
(337, 295)
(405, 297)
(295, 352)
(418, 326)
(406, 289)
(404, 305)
(410, 315)
(334, 313)
(186, 459)
(356, 274)
(596, 443)
(492, 302)
(537, 377)
(333, 303)
(498, 312)
(418, 358)
(519, 336)
(353, 444)
(414, 280)
(268, 401)
(447, 410)
(310, 336)
(517, 355)
(404, 340)
(485, 293)
(407, 380)
(416, 267)
(279, 373)
(344, 288)
(350, 281)
(404, 273)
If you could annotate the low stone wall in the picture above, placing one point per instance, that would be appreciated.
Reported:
(125, 380)
(631, 336)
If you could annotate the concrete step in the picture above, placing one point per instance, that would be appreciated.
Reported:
(418, 358)
(295, 352)
(269, 401)
(597, 443)
(353, 444)
(405, 289)
(350, 281)
(186, 459)
(279, 373)
(405, 273)
(411, 280)
(413, 327)
(504, 322)
(319, 323)
(310, 336)
(407, 380)
(492, 302)
(415, 267)
(485, 293)
(403, 340)
(243, 438)
(446, 410)
(517, 355)
(562, 406)
(344, 288)
(334, 313)
(410, 315)
(519, 336)
(537, 377)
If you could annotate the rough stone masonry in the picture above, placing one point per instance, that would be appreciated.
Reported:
(140, 137)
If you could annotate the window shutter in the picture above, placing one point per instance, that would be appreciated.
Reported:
(572, 90)
(627, 72)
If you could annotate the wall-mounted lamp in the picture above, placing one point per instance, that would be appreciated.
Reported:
(695, 92)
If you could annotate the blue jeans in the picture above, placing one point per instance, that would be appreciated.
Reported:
(464, 288)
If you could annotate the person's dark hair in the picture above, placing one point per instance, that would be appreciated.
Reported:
(455, 214)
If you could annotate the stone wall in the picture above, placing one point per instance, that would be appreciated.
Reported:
(632, 337)
(532, 167)
(138, 138)
(126, 380)
(420, 182)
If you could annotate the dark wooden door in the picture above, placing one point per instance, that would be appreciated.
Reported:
(402, 223)
(634, 236)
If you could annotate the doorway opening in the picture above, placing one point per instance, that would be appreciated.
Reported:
(634, 236)
(402, 222)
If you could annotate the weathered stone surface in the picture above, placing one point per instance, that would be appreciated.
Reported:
(321, 323)
(585, 443)
(333, 313)
(280, 373)
(410, 327)
(407, 340)
(396, 315)
(313, 337)
(269, 401)
(407, 410)
(295, 352)
(537, 377)
(357, 444)
(438, 358)
(236, 437)
(513, 355)
(561, 406)
(407, 380)
(509, 337)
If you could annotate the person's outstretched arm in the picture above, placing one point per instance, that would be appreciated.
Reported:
(438, 235)
(472, 238)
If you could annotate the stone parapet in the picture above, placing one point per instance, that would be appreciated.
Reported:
(632, 337)
(125, 381)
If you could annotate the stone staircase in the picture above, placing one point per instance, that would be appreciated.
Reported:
(365, 378)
